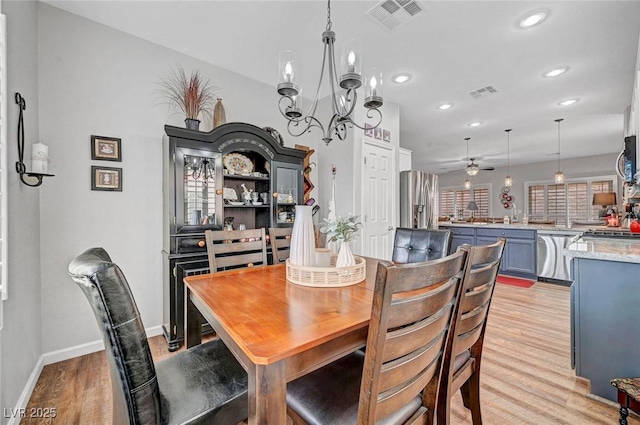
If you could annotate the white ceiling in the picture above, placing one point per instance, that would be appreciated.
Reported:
(454, 47)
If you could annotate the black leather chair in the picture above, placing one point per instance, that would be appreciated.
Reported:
(417, 245)
(203, 385)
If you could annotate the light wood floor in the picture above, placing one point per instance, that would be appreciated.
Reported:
(526, 373)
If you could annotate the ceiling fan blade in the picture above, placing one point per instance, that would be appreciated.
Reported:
(488, 168)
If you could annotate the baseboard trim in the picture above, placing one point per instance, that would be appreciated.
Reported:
(58, 356)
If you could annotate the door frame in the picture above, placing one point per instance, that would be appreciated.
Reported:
(395, 200)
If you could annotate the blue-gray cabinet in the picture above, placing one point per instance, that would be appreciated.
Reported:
(519, 258)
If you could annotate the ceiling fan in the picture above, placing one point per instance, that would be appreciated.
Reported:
(472, 168)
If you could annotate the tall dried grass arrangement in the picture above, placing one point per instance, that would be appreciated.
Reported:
(194, 95)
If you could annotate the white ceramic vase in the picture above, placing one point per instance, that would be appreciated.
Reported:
(345, 256)
(302, 251)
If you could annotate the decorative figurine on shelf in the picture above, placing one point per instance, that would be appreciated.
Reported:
(342, 230)
(246, 194)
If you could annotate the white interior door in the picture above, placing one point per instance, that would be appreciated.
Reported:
(378, 200)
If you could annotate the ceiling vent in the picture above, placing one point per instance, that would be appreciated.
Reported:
(483, 92)
(392, 14)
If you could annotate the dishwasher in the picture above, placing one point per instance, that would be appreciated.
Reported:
(552, 263)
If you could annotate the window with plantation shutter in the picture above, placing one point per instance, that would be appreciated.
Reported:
(454, 201)
(569, 201)
(600, 186)
(447, 203)
(536, 204)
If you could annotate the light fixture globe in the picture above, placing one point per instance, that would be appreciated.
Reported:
(559, 176)
(467, 184)
(508, 181)
(472, 169)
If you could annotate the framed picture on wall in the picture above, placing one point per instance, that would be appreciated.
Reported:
(105, 148)
(368, 130)
(386, 135)
(106, 178)
(378, 133)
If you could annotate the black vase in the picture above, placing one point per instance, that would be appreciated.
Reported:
(192, 124)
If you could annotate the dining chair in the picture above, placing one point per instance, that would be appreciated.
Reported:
(461, 368)
(417, 245)
(397, 379)
(280, 242)
(201, 385)
(229, 249)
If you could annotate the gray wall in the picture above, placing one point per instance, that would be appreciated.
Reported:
(96, 80)
(21, 337)
(600, 165)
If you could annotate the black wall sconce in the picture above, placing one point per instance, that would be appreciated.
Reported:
(20, 167)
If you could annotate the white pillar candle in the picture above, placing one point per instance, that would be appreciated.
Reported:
(39, 158)
(323, 257)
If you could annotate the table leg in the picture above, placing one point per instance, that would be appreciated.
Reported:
(267, 394)
(193, 327)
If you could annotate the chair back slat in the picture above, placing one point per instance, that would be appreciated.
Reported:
(280, 243)
(400, 372)
(236, 248)
(471, 319)
(481, 276)
(477, 298)
(413, 309)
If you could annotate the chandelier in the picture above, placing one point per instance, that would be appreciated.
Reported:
(200, 169)
(342, 101)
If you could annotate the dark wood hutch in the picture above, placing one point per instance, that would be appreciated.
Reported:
(199, 192)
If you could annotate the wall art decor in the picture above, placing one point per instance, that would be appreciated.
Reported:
(106, 178)
(106, 148)
(386, 135)
(368, 130)
(378, 133)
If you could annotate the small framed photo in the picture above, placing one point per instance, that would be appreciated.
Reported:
(386, 135)
(106, 178)
(378, 133)
(368, 130)
(105, 148)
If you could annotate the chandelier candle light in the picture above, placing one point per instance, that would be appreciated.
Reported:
(342, 101)
(559, 177)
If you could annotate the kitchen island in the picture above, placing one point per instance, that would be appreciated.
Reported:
(605, 311)
(521, 254)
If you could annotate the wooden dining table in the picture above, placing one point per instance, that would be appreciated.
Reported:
(276, 329)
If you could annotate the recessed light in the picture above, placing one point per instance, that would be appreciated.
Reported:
(533, 18)
(475, 124)
(445, 106)
(568, 102)
(556, 72)
(401, 78)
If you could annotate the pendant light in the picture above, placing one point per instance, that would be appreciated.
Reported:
(467, 184)
(508, 181)
(559, 178)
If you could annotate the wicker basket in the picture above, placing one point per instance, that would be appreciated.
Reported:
(327, 277)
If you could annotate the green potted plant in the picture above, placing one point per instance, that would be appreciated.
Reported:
(342, 230)
(193, 95)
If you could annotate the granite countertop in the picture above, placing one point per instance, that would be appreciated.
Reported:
(539, 227)
(626, 251)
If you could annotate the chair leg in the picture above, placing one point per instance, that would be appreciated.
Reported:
(464, 391)
(624, 412)
(473, 394)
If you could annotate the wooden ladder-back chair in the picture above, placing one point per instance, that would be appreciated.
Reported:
(396, 381)
(280, 243)
(236, 248)
(461, 368)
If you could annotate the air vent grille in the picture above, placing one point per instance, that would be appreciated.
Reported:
(483, 92)
(392, 14)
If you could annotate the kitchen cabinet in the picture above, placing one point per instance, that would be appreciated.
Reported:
(462, 235)
(519, 258)
(202, 190)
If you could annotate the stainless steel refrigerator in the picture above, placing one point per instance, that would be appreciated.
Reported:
(418, 200)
